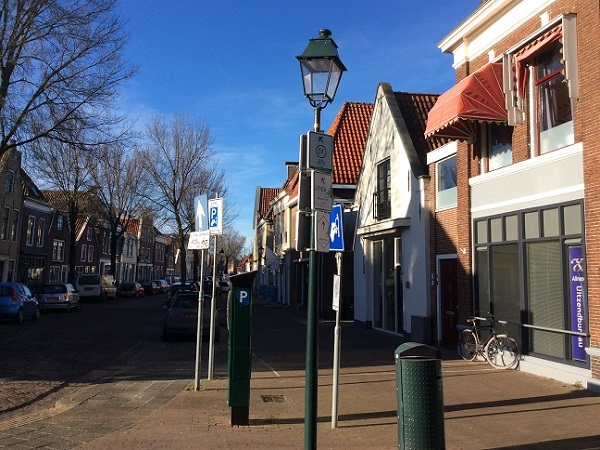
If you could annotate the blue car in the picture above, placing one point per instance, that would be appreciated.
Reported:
(17, 302)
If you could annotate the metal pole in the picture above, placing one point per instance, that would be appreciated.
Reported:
(310, 411)
(211, 342)
(336, 351)
(199, 326)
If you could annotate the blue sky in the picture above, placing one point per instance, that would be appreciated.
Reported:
(232, 64)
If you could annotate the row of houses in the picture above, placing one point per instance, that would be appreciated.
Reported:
(35, 237)
(481, 199)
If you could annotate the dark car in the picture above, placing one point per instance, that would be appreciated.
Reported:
(131, 290)
(17, 302)
(150, 287)
(187, 286)
(181, 316)
(59, 296)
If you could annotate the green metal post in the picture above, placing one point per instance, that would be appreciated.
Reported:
(312, 347)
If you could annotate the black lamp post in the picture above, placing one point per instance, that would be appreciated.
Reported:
(222, 261)
(322, 71)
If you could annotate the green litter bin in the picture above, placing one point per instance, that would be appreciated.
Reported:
(419, 396)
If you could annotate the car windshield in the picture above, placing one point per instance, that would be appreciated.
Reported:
(183, 287)
(186, 302)
(54, 289)
(127, 286)
(89, 279)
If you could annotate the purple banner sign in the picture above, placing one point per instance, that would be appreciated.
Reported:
(578, 301)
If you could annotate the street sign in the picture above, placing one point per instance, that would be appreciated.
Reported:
(336, 229)
(215, 216)
(303, 231)
(335, 303)
(321, 191)
(321, 231)
(304, 191)
(199, 240)
(320, 151)
(200, 216)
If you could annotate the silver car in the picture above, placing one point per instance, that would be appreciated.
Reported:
(181, 316)
(59, 296)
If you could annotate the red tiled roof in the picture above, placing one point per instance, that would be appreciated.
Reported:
(349, 130)
(292, 183)
(414, 109)
(133, 226)
(266, 195)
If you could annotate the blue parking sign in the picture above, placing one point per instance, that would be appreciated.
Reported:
(336, 229)
(215, 216)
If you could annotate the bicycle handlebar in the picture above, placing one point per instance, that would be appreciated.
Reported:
(490, 318)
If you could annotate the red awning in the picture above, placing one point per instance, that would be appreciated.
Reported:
(478, 97)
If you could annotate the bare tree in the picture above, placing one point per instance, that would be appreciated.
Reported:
(60, 67)
(232, 243)
(181, 164)
(118, 181)
(65, 168)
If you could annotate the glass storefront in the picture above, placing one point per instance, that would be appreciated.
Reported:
(530, 271)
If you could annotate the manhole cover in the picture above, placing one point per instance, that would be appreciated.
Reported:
(273, 398)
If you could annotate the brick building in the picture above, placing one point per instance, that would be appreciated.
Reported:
(514, 207)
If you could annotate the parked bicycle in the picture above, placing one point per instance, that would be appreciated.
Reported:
(499, 350)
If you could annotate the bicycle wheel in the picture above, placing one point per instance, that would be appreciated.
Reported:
(502, 352)
(467, 345)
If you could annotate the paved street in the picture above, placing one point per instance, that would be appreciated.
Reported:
(144, 398)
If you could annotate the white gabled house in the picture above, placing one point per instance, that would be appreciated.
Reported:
(391, 254)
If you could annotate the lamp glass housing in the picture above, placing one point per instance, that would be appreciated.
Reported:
(321, 70)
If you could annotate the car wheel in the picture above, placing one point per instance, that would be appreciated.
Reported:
(19, 316)
(37, 314)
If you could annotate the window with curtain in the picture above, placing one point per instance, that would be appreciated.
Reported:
(499, 146)
(554, 119)
(446, 186)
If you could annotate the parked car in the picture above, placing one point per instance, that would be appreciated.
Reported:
(59, 296)
(187, 286)
(181, 316)
(96, 287)
(17, 302)
(150, 287)
(131, 290)
(162, 285)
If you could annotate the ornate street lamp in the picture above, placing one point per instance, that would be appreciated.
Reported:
(322, 71)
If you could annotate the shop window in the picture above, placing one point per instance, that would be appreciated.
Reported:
(551, 222)
(572, 219)
(545, 295)
(446, 186)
